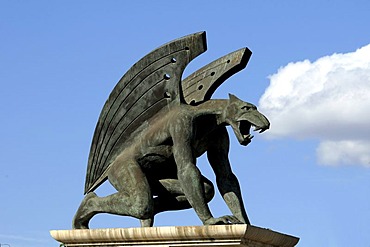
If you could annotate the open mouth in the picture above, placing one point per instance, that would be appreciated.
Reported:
(244, 130)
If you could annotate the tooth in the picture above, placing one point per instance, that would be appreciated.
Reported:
(249, 136)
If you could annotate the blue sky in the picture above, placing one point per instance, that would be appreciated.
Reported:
(308, 176)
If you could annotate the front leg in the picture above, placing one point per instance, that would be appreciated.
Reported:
(188, 174)
(227, 183)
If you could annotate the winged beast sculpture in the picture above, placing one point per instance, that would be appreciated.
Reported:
(154, 126)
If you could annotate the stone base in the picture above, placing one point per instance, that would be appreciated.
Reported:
(220, 235)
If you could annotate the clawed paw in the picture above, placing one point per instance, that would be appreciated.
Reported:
(224, 220)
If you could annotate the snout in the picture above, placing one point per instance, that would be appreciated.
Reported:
(263, 125)
(257, 120)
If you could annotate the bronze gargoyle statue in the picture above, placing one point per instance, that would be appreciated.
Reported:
(154, 126)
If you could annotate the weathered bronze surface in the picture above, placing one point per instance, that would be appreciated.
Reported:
(154, 126)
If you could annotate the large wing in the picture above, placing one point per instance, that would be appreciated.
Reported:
(199, 86)
(148, 86)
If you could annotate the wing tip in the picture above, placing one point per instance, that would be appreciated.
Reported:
(246, 55)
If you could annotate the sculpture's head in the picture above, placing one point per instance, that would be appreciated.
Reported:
(241, 116)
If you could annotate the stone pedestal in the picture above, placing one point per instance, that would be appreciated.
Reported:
(221, 235)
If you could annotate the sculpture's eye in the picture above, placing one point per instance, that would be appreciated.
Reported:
(246, 108)
(249, 107)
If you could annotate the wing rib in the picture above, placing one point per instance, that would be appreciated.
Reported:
(199, 86)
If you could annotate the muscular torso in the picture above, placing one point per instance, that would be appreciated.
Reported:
(153, 148)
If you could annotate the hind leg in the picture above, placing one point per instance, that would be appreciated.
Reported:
(170, 196)
(132, 199)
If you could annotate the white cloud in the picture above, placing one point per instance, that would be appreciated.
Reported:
(344, 152)
(328, 99)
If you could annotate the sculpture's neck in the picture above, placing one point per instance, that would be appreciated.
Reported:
(214, 107)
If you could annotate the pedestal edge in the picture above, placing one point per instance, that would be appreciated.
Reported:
(175, 235)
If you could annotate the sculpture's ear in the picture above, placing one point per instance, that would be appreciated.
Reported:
(233, 98)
